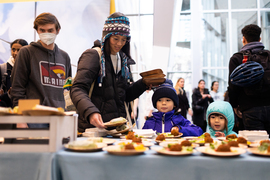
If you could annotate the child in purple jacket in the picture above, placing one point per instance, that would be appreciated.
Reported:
(166, 101)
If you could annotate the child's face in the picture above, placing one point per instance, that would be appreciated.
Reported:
(217, 122)
(165, 105)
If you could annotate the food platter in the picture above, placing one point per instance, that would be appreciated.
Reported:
(112, 124)
(211, 152)
(80, 149)
(162, 150)
(40, 112)
(257, 152)
(116, 150)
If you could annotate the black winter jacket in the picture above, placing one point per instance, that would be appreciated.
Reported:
(107, 100)
(183, 103)
(197, 102)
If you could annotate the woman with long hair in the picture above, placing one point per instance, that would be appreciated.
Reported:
(183, 100)
(110, 74)
(200, 101)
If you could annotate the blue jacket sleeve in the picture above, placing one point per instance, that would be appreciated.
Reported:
(186, 127)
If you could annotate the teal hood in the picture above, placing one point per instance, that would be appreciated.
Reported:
(224, 108)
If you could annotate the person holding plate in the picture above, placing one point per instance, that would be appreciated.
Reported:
(110, 75)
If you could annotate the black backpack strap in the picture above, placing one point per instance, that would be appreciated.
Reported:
(3, 68)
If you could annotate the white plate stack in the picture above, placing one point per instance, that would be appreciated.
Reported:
(94, 132)
(253, 135)
(146, 133)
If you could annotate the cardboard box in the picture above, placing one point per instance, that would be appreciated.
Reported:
(61, 130)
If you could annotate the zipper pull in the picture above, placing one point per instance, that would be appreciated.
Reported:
(163, 119)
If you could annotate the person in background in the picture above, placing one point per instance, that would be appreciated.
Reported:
(254, 110)
(110, 75)
(166, 101)
(200, 101)
(220, 119)
(41, 67)
(5, 73)
(217, 96)
(183, 100)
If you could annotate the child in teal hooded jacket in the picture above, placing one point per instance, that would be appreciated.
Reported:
(220, 119)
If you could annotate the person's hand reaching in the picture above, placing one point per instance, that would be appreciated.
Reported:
(96, 120)
(219, 134)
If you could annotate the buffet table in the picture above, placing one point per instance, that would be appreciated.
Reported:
(100, 165)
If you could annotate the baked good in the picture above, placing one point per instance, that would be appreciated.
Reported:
(186, 143)
(231, 136)
(175, 147)
(233, 144)
(130, 135)
(175, 131)
(207, 134)
(160, 137)
(223, 148)
(129, 147)
(208, 140)
(137, 140)
(241, 140)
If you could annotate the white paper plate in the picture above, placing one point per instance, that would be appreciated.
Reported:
(162, 150)
(211, 152)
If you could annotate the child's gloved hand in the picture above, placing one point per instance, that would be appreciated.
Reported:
(219, 134)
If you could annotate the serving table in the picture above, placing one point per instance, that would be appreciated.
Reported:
(100, 165)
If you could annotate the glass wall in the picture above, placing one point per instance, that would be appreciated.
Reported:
(140, 14)
(220, 28)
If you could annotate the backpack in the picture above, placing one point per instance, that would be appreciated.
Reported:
(68, 83)
(263, 86)
(3, 68)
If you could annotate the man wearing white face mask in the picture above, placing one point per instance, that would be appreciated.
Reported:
(41, 67)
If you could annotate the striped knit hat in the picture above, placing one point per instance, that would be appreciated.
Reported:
(116, 24)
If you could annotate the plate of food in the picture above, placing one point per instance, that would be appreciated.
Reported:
(40, 110)
(84, 146)
(186, 143)
(126, 150)
(256, 151)
(262, 150)
(138, 141)
(119, 129)
(223, 150)
(202, 140)
(169, 135)
(115, 122)
(101, 140)
(174, 150)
